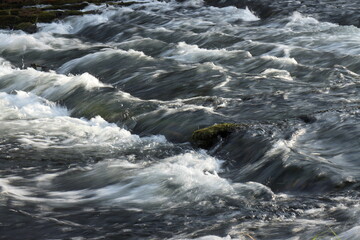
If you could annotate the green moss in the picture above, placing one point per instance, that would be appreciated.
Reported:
(47, 16)
(22, 14)
(207, 137)
(29, 18)
(28, 15)
(73, 12)
(4, 12)
(14, 11)
(9, 21)
(26, 27)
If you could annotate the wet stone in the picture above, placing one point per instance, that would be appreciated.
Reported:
(208, 137)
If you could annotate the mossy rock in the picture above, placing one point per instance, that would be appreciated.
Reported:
(29, 18)
(48, 16)
(207, 137)
(74, 13)
(15, 11)
(26, 27)
(5, 12)
(24, 14)
(9, 21)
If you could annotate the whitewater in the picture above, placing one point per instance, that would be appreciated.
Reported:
(97, 113)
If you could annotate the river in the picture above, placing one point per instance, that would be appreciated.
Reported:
(97, 113)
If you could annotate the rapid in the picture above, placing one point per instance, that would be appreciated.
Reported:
(97, 112)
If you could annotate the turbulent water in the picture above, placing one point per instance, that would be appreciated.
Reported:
(95, 135)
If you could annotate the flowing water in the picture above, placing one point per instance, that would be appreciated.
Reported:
(95, 138)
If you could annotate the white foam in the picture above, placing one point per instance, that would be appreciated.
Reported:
(277, 73)
(298, 17)
(193, 3)
(101, 56)
(192, 53)
(49, 126)
(224, 83)
(179, 180)
(5, 65)
(27, 106)
(177, 107)
(46, 84)
(285, 146)
(74, 24)
(7, 188)
(281, 60)
(202, 16)
(93, 7)
(18, 41)
(299, 22)
(71, 132)
(233, 14)
(322, 36)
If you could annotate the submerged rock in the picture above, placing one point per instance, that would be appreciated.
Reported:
(207, 137)
(307, 118)
(39, 67)
(26, 27)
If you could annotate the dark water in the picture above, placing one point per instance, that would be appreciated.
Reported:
(95, 141)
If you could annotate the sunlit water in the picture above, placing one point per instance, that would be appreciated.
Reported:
(95, 140)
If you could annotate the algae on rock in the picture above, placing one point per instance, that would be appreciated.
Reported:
(207, 137)
(25, 14)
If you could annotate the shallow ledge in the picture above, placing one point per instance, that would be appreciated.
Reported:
(25, 14)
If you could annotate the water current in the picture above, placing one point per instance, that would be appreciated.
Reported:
(97, 111)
